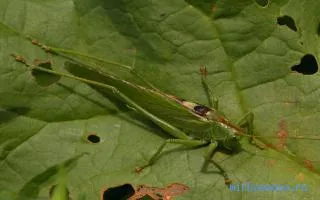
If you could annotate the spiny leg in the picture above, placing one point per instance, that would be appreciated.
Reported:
(208, 159)
(247, 122)
(213, 102)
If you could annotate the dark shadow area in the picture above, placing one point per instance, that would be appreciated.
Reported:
(9, 114)
(262, 3)
(31, 189)
(13, 139)
(236, 148)
(308, 65)
(43, 78)
(71, 90)
(318, 29)
(287, 21)
(83, 72)
(121, 192)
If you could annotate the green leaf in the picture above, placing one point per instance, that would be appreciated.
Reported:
(248, 56)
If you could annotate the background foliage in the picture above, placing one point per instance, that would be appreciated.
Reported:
(248, 55)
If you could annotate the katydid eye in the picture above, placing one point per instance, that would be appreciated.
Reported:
(201, 109)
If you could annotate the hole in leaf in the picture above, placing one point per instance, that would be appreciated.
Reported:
(57, 191)
(121, 192)
(288, 21)
(147, 192)
(162, 14)
(44, 78)
(262, 3)
(93, 138)
(308, 65)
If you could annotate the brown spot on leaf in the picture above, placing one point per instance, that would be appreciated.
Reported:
(282, 135)
(308, 164)
(269, 145)
(157, 193)
(270, 162)
(175, 189)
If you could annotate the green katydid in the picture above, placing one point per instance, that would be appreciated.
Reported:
(191, 124)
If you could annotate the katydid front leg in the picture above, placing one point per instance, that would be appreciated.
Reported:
(247, 122)
(212, 102)
(208, 159)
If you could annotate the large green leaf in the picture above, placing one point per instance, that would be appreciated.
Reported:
(248, 56)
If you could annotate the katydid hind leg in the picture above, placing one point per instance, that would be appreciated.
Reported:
(190, 143)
